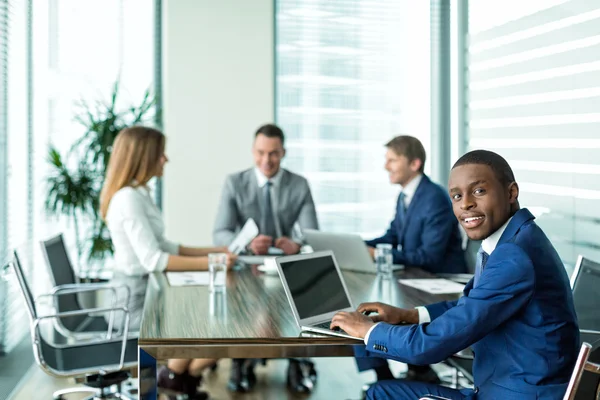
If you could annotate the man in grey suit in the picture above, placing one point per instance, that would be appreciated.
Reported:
(277, 200)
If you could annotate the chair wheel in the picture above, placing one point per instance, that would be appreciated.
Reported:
(58, 398)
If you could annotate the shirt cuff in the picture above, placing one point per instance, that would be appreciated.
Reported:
(163, 261)
(369, 333)
(170, 247)
(424, 317)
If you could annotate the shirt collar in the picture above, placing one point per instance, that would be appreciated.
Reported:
(262, 179)
(489, 244)
(411, 187)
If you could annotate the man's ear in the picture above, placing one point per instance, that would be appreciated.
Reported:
(283, 155)
(513, 192)
(415, 165)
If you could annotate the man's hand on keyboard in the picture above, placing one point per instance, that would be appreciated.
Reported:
(390, 314)
(353, 323)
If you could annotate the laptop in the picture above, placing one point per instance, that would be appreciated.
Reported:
(315, 289)
(350, 250)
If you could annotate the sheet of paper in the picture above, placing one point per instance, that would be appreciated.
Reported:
(193, 278)
(249, 231)
(434, 286)
(254, 260)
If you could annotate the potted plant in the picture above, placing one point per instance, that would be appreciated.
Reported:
(76, 178)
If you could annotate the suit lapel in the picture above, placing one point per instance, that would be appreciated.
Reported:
(521, 217)
(283, 199)
(410, 211)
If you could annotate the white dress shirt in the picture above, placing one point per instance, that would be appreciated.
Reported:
(274, 190)
(137, 231)
(488, 244)
(410, 189)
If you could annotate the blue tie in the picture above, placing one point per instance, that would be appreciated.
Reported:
(402, 205)
(482, 258)
(268, 224)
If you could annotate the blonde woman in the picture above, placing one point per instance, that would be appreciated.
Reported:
(137, 232)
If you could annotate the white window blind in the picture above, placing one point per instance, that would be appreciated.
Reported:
(534, 97)
(351, 75)
(14, 166)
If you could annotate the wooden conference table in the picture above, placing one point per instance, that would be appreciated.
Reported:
(252, 318)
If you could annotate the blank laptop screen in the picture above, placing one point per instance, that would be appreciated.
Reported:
(315, 286)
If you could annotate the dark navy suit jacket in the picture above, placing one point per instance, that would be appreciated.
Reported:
(519, 319)
(428, 234)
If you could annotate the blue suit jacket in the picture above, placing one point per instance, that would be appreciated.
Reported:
(429, 234)
(519, 319)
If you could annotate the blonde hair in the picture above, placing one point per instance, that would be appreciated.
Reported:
(133, 162)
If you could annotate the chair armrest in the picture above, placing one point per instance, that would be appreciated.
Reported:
(125, 328)
(466, 354)
(72, 288)
(75, 288)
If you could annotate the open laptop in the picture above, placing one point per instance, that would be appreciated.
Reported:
(350, 250)
(315, 289)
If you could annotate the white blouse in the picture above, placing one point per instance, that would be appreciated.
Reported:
(137, 231)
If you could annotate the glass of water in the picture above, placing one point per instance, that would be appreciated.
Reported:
(217, 269)
(383, 259)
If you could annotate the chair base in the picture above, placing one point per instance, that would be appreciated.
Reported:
(106, 391)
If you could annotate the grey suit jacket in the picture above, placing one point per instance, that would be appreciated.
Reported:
(241, 199)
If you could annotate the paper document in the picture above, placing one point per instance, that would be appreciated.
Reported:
(434, 286)
(195, 278)
(249, 231)
(253, 260)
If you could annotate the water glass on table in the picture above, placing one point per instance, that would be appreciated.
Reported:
(217, 269)
(384, 259)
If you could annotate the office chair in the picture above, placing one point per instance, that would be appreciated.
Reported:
(585, 282)
(63, 278)
(100, 360)
(581, 365)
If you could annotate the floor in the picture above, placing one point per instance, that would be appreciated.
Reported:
(13, 366)
(338, 378)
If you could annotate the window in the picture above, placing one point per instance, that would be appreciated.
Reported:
(77, 51)
(533, 97)
(351, 75)
(81, 49)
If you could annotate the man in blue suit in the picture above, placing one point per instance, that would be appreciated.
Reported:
(517, 312)
(424, 232)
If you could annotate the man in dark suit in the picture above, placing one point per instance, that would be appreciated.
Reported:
(424, 232)
(277, 200)
(517, 312)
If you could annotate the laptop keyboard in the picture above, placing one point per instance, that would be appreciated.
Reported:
(326, 325)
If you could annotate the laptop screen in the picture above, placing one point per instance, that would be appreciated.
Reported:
(315, 286)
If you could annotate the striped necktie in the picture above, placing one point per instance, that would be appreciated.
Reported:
(482, 258)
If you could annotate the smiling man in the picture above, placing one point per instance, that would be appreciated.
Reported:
(424, 233)
(517, 312)
(276, 199)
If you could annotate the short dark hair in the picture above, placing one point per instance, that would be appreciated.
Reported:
(409, 147)
(272, 131)
(493, 160)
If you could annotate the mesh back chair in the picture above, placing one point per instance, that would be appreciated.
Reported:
(582, 365)
(100, 360)
(573, 389)
(585, 283)
(63, 279)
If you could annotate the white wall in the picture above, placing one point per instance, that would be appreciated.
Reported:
(218, 88)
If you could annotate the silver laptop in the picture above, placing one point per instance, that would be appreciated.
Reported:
(350, 250)
(315, 289)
